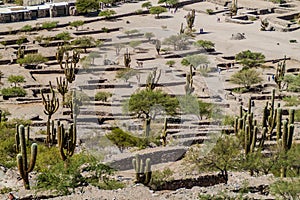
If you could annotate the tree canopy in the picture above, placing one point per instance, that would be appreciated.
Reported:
(246, 78)
(107, 13)
(15, 79)
(32, 59)
(179, 42)
(157, 10)
(86, 6)
(205, 44)
(250, 59)
(194, 60)
(77, 23)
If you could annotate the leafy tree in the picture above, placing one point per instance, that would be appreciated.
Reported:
(134, 44)
(292, 82)
(147, 5)
(250, 59)
(149, 35)
(205, 44)
(86, 6)
(168, 2)
(194, 60)
(16, 79)
(84, 42)
(102, 96)
(124, 139)
(170, 63)
(246, 78)
(147, 104)
(13, 92)
(126, 73)
(77, 24)
(157, 10)
(49, 25)
(179, 42)
(65, 36)
(223, 156)
(32, 59)
(107, 13)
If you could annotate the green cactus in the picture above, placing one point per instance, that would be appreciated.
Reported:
(181, 31)
(152, 79)
(143, 175)
(190, 19)
(59, 55)
(164, 133)
(20, 53)
(62, 87)
(66, 140)
(158, 46)
(75, 58)
(280, 72)
(69, 71)
(234, 8)
(23, 167)
(189, 82)
(127, 59)
(50, 107)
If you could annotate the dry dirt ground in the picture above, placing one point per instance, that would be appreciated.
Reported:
(272, 44)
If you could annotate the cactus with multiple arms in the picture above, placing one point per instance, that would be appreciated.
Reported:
(60, 55)
(280, 72)
(127, 59)
(190, 19)
(66, 141)
(69, 71)
(62, 87)
(143, 175)
(23, 167)
(50, 107)
(75, 58)
(189, 82)
(152, 79)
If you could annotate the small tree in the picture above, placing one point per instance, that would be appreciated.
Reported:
(194, 60)
(179, 42)
(86, 6)
(170, 63)
(16, 79)
(223, 156)
(32, 59)
(84, 42)
(149, 35)
(246, 78)
(126, 73)
(250, 59)
(107, 13)
(77, 24)
(147, 104)
(118, 47)
(134, 44)
(205, 44)
(49, 25)
(65, 36)
(147, 5)
(102, 96)
(157, 10)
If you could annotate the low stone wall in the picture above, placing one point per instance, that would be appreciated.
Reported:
(202, 181)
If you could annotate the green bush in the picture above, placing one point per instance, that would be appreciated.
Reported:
(124, 139)
(26, 28)
(13, 92)
(291, 101)
(65, 36)
(102, 96)
(228, 120)
(297, 115)
(160, 177)
(49, 25)
(209, 11)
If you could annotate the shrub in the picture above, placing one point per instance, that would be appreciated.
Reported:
(15, 79)
(291, 101)
(26, 28)
(102, 96)
(65, 36)
(209, 11)
(32, 59)
(13, 92)
(293, 41)
(160, 177)
(49, 25)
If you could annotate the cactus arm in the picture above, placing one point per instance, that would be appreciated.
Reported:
(32, 158)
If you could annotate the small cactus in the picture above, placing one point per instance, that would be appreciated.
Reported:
(190, 19)
(152, 79)
(75, 58)
(60, 55)
(69, 71)
(164, 133)
(143, 175)
(66, 141)
(23, 167)
(127, 59)
(62, 87)
(189, 82)
(280, 72)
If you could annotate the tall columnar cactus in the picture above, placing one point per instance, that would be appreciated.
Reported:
(66, 140)
(75, 58)
(127, 59)
(164, 133)
(69, 71)
(158, 46)
(152, 79)
(189, 89)
(234, 8)
(50, 107)
(59, 55)
(62, 87)
(20, 53)
(280, 72)
(24, 168)
(181, 31)
(143, 174)
(190, 19)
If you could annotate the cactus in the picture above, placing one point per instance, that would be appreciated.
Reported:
(20, 53)
(66, 140)
(60, 55)
(23, 167)
(280, 72)
(62, 87)
(69, 71)
(127, 59)
(190, 19)
(189, 82)
(164, 133)
(181, 31)
(50, 107)
(157, 46)
(234, 8)
(152, 79)
(75, 58)
(264, 24)
(143, 175)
